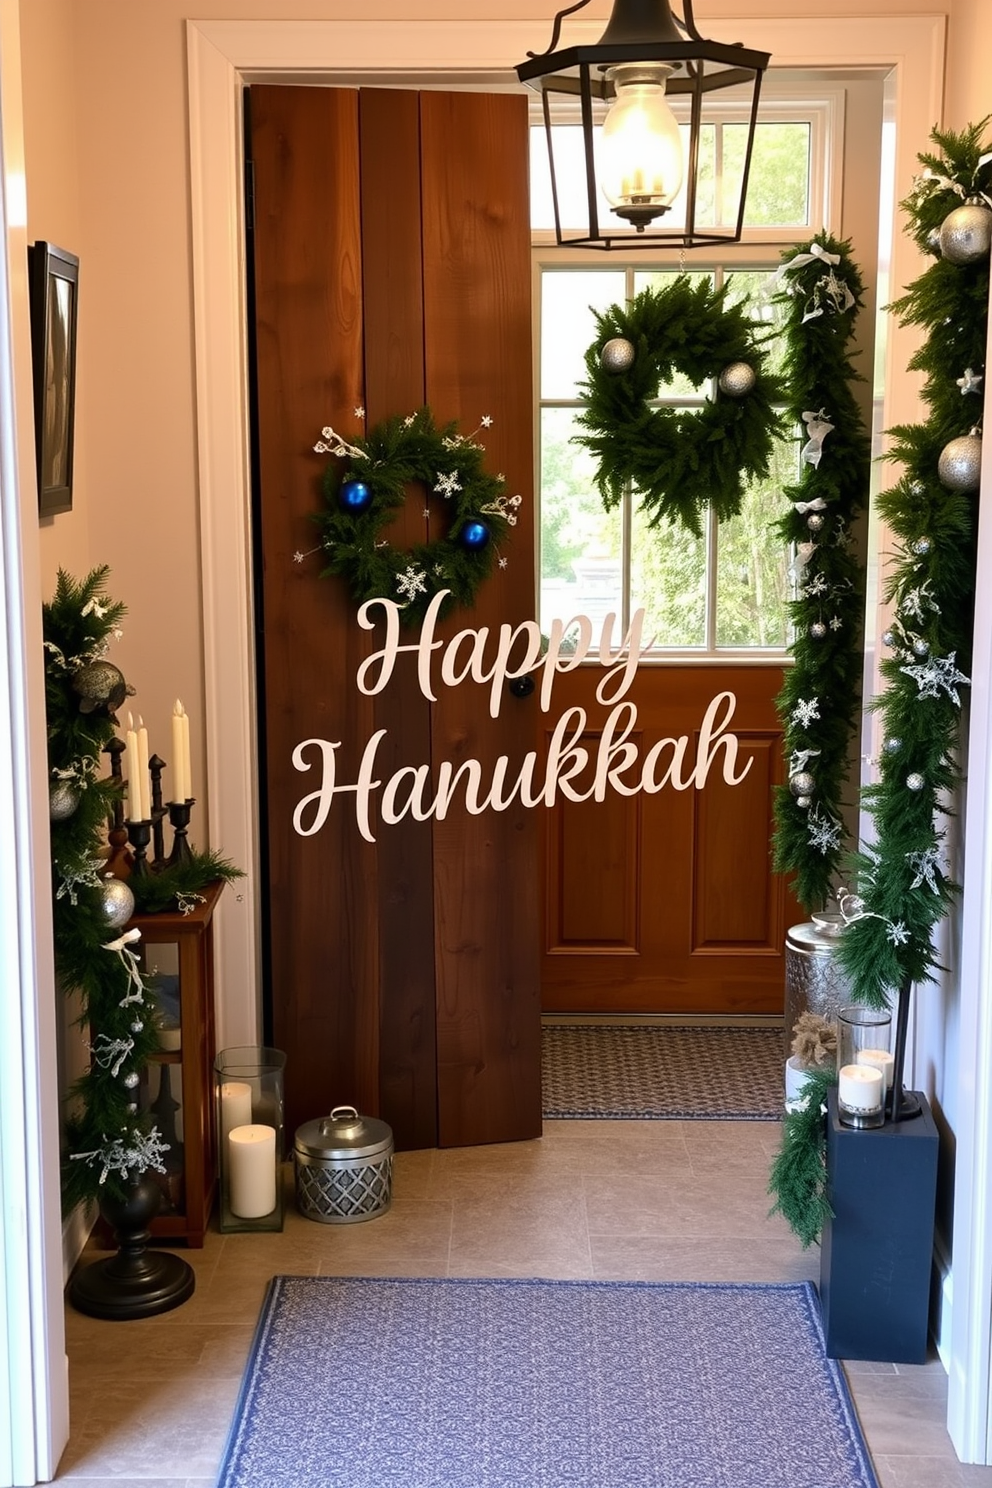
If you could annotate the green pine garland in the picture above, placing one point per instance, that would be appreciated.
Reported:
(109, 1141)
(819, 705)
(799, 1172)
(392, 456)
(180, 885)
(902, 877)
(680, 461)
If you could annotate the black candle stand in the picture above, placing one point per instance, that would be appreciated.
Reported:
(139, 834)
(179, 814)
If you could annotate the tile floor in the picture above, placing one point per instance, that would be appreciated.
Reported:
(663, 1200)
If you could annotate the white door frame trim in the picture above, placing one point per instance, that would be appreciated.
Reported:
(222, 57)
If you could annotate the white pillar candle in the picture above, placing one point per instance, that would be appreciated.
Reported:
(180, 782)
(235, 1107)
(879, 1059)
(251, 1167)
(144, 778)
(187, 768)
(860, 1087)
(133, 774)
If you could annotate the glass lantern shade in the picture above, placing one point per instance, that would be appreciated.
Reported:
(645, 98)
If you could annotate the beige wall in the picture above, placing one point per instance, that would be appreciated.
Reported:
(968, 94)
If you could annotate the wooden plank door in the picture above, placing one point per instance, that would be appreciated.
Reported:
(390, 270)
(667, 903)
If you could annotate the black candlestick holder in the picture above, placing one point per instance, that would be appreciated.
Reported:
(139, 834)
(155, 768)
(179, 814)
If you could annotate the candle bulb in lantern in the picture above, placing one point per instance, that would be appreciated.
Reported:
(133, 773)
(180, 779)
(144, 777)
(251, 1153)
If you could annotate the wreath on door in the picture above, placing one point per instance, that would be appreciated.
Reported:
(363, 494)
(679, 460)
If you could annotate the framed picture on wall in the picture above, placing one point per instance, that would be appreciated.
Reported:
(54, 288)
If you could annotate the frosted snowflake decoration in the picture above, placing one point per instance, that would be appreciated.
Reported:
(915, 601)
(824, 832)
(447, 485)
(411, 582)
(132, 1153)
(925, 866)
(836, 623)
(936, 673)
(897, 934)
(805, 712)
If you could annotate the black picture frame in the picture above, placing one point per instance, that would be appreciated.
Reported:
(53, 276)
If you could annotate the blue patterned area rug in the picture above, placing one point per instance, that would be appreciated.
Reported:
(358, 1382)
(662, 1072)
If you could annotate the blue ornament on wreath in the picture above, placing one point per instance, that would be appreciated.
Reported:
(473, 535)
(354, 496)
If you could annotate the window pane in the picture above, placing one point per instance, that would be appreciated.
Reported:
(581, 543)
(567, 325)
(778, 187)
(668, 579)
(753, 587)
(748, 286)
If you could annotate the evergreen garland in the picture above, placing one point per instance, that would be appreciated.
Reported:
(180, 885)
(680, 461)
(363, 495)
(109, 1141)
(903, 885)
(820, 293)
(799, 1171)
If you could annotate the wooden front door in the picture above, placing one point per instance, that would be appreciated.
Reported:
(666, 902)
(391, 270)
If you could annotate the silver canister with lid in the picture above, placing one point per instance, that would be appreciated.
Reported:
(344, 1167)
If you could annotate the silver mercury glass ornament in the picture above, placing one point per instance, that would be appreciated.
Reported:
(131, 1080)
(966, 233)
(802, 784)
(920, 647)
(818, 630)
(922, 546)
(892, 746)
(814, 521)
(617, 355)
(959, 465)
(737, 379)
(118, 902)
(915, 781)
(63, 798)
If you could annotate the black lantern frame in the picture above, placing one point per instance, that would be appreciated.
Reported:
(645, 31)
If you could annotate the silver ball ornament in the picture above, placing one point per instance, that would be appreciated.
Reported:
(617, 355)
(818, 630)
(960, 463)
(966, 233)
(63, 798)
(131, 1080)
(804, 801)
(132, 1109)
(802, 783)
(814, 522)
(737, 379)
(933, 240)
(922, 546)
(888, 638)
(892, 746)
(118, 902)
(920, 647)
(915, 781)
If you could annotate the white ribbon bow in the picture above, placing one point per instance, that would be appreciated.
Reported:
(122, 947)
(817, 428)
(818, 505)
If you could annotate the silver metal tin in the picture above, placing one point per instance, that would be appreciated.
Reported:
(344, 1167)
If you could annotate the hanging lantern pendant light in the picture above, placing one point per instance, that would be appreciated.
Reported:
(637, 162)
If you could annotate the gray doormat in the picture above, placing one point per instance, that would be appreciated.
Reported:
(665, 1073)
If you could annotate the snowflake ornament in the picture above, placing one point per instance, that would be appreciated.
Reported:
(411, 582)
(447, 485)
(936, 673)
(806, 711)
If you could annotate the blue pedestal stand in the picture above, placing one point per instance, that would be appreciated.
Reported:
(876, 1253)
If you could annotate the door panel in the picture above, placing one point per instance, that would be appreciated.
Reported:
(404, 973)
(666, 902)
